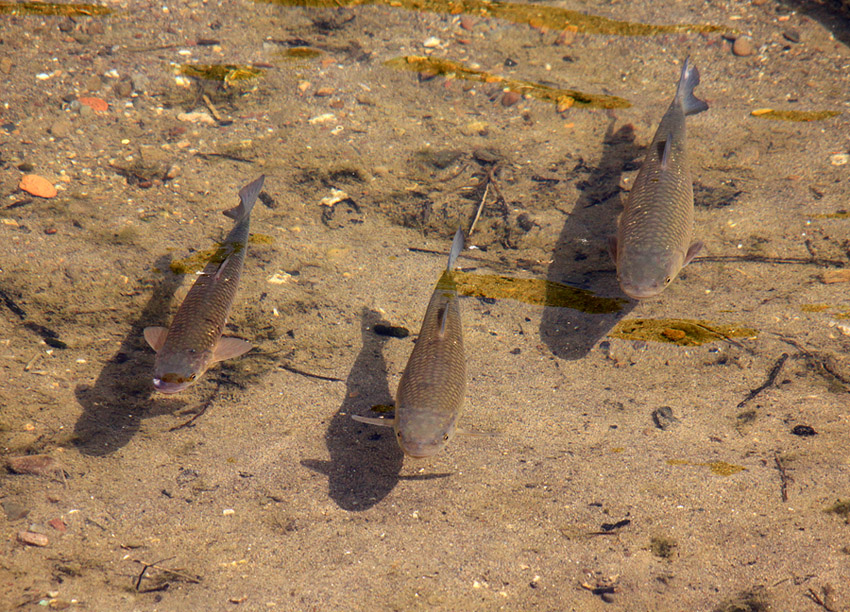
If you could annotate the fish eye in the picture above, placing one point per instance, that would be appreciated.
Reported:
(667, 280)
(398, 435)
(191, 377)
(445, 437)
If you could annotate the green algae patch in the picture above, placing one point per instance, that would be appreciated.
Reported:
(198, 261)
(534, 15)
(383, 408)
(50, 8)
(451, 69)
(721, 468)
(225, 73)
(814, 307)
(841, 508)
(298, 53)
(535, 291)
(793, 115)
(839, 214)
(662, 546)
(684, 332)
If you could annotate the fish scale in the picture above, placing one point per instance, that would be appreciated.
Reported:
(655, 229)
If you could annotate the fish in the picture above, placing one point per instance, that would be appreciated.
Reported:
(431, 391)
(655, 230)
(194, 342)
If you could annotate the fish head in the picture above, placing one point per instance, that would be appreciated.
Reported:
(644, 274)
(424, 434)
(174, 371)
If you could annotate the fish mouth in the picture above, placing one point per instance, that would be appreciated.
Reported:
(641, 293)
(420, 452)
(168, 387)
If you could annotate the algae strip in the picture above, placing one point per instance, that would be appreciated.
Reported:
(561, 97)
(198, 261)
(534, 291)
(793, 115)
(684, 332)
(296, 53)
(227, 73)
(721, 468)
(841, 214)
(535, 15)
(50, 8)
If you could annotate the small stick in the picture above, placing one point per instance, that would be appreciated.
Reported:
(31, 362)
(147, 566)
(480, 208)
(211, 107)
(771, 378)
(200, 411)
(295, 370)
(783, 477)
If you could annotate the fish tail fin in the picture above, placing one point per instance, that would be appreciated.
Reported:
(248, 195)
(457, 247)
(691, 105)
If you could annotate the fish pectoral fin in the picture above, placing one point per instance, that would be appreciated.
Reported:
(612, 248)
(693, 251)
(228, 348)
(468, 432)
(373, 421)
(155, 336)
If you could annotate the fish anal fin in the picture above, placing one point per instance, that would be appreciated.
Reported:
(228, 348)
(155, 337)
(693, 251)
(612, 248)
(373, 421)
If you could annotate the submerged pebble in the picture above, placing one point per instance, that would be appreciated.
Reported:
(743, 46)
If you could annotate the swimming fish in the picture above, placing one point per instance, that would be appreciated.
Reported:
(654, 233)
(432, 387)
(194, 341)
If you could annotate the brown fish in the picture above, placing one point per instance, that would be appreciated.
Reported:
(194, 341)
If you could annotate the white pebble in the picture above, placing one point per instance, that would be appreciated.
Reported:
(839, 159)
(431, 42)
(228, 511)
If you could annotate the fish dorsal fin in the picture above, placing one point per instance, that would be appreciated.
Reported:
(247, 196)
(693, 251)
(228, 348)
(374, 421)
(664, 151)
(155, 336)
(457, 247)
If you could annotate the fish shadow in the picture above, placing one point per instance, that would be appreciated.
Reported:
(581, 254)
(365, 461)
(121, 396)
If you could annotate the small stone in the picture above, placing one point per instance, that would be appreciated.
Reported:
(743, 46)
(123, 88)
(93, 83)
(39, 465)
(83, 38)
(14, 511)
(58, 524)
(33, 539)
(60, 129)
(836, 276)
(173, 172)
(196, 117)
(37, 186)
(839, 159)
(467, 23)
(431, 42)
(337, 104)
(792, 35)
(475, 128)
(804, 431)
(663, 418)
(323, 92)
(5, 65)
(510, 98)
(565, 103)
(673, 334)
(567, 36)
(96, 104)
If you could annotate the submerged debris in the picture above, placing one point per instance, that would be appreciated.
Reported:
(670, 331)
(841, 507)
(793, 115)
(721, 468)
(535, 15)
(225, 73)
(662, 546)
(297, 53)
(535, 291)
(436, 66)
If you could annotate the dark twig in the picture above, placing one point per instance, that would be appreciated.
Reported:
(827, 602)
(800, 261)
(295, 370)
(200, 411)
(147, 566)
(784, 478)
(771, 379)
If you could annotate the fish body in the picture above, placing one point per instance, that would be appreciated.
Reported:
(194, 341)
(655, 230)
(432, 387)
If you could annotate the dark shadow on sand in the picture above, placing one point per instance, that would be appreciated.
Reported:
(365, 460)
(581, 255)
(121, 396)
(834, 15)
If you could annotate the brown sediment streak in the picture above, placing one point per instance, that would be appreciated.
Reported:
(452, 69)
(50, 8)
(535, 291)
(793, 115)
(534, 15)
(684, 332)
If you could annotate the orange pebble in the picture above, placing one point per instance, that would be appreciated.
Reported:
(96, 104)
(37, 186)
